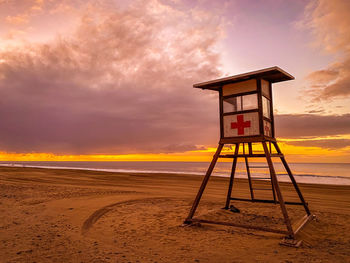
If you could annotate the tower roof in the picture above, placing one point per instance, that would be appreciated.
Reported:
(273, 74)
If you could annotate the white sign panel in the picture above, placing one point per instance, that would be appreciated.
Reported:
(237, 125)
(267, 128)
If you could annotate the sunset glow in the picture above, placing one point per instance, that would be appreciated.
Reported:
(112, 80)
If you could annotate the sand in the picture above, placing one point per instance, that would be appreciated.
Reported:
(49, 215)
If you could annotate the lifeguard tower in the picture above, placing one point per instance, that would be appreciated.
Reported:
(246, 118)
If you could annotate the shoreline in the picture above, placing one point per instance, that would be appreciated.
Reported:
(302, 179)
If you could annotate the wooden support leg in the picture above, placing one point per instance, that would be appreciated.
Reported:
(234, 164)
(285, 164)
(273, 186)
(250, 148)
(249, 178)
(273, 190)
(278, 191)
(204, 184)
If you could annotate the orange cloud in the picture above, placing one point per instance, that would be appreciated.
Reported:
(18, 19)
(329, 22)
(37, 6)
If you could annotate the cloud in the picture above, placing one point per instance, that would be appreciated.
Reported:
(333, 82)
(18, 19)
(121, 83)
(329, 22)
(314, 130)
(324, 76)
(311, 125)
(20, 12)
(326, 143)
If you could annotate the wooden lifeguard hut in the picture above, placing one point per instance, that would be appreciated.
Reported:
(246, 118)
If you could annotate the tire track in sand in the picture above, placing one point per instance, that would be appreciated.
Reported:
(95, 216)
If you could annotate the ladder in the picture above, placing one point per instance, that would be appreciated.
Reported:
(249, 174)
(251, 188)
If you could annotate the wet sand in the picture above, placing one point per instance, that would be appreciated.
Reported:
(49, 215)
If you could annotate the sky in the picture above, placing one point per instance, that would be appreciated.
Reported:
(112, 80)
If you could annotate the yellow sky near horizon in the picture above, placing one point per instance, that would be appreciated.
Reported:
(297, 154)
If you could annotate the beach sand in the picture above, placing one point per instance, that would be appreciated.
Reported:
(49, 215)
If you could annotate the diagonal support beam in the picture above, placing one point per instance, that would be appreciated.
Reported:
(278, 191)
(204, 184)
(232, 177)
(249, 178)
(286, 166)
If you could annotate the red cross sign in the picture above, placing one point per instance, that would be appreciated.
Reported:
(240, 125)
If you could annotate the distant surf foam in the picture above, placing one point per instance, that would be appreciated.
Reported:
(223, 172)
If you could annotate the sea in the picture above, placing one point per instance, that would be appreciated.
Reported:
(315, 173)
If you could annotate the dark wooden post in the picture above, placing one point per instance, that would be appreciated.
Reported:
(232, 177)
(204, 184)
(249, 178)
(278, 190)
(292, 179)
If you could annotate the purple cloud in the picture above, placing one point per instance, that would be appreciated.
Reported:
(311, 125)
(121, 83)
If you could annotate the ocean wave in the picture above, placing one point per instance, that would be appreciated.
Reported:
(300, 177)
(100, 169)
